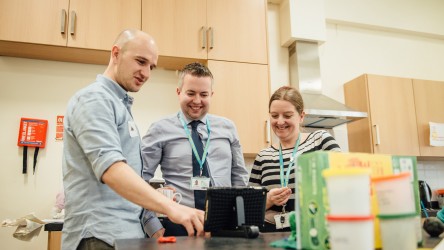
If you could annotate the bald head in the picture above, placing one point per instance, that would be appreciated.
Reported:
(129, 35)
(133, 56)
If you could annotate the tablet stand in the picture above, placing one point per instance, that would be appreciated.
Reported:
(242, 230)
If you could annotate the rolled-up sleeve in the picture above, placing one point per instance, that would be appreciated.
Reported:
(97, 132)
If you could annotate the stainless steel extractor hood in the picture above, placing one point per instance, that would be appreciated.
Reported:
(305, 75)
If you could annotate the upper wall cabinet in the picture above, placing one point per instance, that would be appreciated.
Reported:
(30, 21)
(391, 124)
(72, 23)
(228, 30)
(241, 94)
(429, 102)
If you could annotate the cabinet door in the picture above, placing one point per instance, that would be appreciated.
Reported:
(34, 21)
(429, 101)
(178, 26)
(237, 30)
(98, 22)
(393, 117)
(241, 94)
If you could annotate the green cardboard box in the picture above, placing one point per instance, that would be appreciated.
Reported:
(311, 206)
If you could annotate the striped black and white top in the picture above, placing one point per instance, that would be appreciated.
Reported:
(265, 171)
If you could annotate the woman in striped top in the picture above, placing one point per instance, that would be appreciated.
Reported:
(286, 109)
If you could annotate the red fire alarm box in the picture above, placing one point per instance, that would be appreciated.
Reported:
(32, 132)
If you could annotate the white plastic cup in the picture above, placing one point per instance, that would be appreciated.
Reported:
(348, 191)
(394, 194)
(398, 231)
(351, 233)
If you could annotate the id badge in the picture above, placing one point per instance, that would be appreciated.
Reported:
(282, 220)
(132, 129)
(199, 183)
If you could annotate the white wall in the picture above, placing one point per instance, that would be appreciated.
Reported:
(41, 89)
(396, 38)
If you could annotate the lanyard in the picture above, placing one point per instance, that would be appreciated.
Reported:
(196, 154)
(284, 181)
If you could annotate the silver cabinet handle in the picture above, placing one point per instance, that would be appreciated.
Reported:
(267, 131)
(204, 37)
(63, 22)
(211, 38)
(378, 140)
(72, 26)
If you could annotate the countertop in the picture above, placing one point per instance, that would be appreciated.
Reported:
(220, 243)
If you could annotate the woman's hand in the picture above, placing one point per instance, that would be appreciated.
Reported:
(277, 196)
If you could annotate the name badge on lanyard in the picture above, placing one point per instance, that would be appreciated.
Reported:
(198, 182)
(282, 220)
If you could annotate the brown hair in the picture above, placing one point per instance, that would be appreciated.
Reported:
(194, 69)
(289, 94)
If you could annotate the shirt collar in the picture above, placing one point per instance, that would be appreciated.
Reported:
(120, 92)
(187, 121)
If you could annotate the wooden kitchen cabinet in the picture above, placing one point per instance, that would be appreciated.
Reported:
(32, 21)
(241, 93)
(429, 102)
(72, 23)
(228, 30)
(390, 127)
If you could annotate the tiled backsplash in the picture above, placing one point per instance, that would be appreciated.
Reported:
(433, 173)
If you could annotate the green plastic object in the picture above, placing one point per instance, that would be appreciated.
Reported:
(290, 242)
(440, 214)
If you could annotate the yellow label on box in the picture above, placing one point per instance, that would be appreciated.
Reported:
(378, 164)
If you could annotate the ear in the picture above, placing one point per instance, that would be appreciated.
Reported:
(115, 52)
(177, 91)
(212, 92)
(302, 116)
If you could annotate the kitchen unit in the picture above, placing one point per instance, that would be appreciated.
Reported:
(241, 94)
(227, 30)
(229, 36)
(399, 112)
(75, 23)
(56, 29)
(429, 100)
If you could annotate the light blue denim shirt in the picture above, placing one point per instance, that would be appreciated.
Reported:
(166, 143)
(98, 131)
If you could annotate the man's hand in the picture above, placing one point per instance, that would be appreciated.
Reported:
(278, 196)
(191, 218)
(159, 233)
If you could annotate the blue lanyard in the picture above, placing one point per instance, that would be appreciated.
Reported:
(284, 181)
(205, 152)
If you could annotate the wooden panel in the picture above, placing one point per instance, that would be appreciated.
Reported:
(241, 93)
(239, 29)
(359, 132)
(33, 21)
(55, 53)
(54, 240)
(177, 26)
(66, 54)
(98, 22)
(392, 110)
(429, 101)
